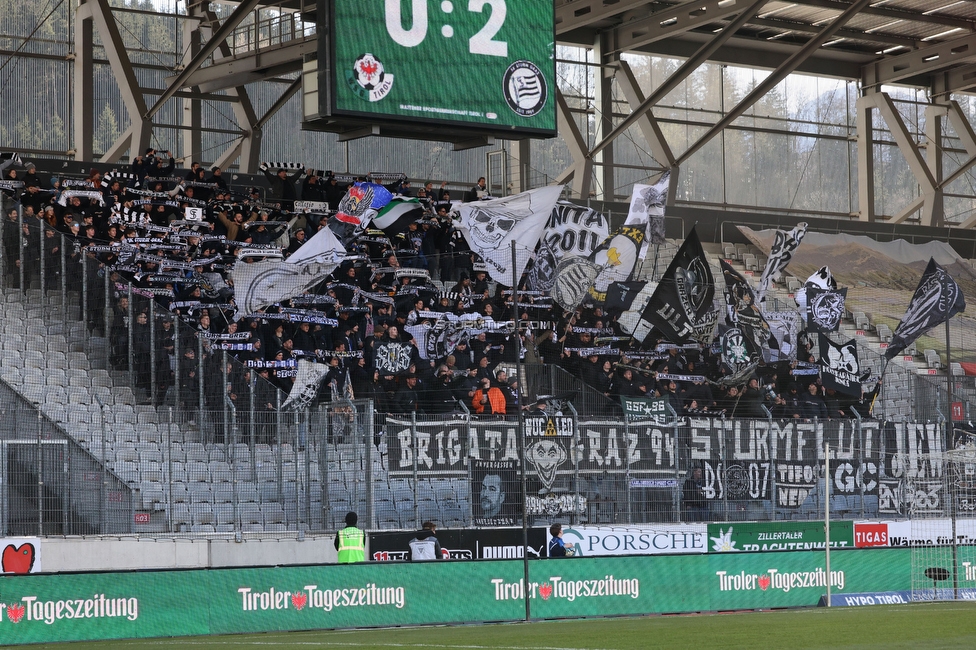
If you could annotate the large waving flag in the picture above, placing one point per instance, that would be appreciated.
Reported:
(394, 217)
(784, 246)
(264, 283)
(744, 311)
(936, 299)
(647, 210)
(306, 386)
(491, 226)
(683, 297)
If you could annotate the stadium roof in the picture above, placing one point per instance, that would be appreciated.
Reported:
(887, 41)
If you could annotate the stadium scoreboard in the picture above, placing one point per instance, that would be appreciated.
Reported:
(438, 67)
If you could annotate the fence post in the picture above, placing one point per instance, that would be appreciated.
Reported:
(23, 245)
(40, 476)
(101, 505)
(203, 437)
(229, 406)
(178, 365)
(367, 431)
(413, 454)
(64, 285)
(107, 316)
(577, 498)
(169, 461)
(226, 401)
(130, 353)
(84, 301)
(153, 386)
(40, 268)
(630, 512)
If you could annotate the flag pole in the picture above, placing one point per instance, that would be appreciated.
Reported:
(521, 434)
(948, 384)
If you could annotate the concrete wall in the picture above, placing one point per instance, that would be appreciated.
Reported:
(119, 554)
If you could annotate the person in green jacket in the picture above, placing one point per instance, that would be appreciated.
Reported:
(351, 541)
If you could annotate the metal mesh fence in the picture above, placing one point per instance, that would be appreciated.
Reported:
(146, 425)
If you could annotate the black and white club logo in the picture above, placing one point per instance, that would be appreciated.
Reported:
(525, 88)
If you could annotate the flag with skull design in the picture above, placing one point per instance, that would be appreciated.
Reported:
(839, 366)
(490, 227)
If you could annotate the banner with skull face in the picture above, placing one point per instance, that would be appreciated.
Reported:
(825, 308)
(839, 367)
(490, 227)
(306, 386)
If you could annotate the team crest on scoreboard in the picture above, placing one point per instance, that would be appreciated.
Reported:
(368, 78)
(525, 89)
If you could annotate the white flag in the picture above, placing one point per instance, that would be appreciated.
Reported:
(264, 283)
(306, 386)
(490, 227)
(784, 246)
(647, 210)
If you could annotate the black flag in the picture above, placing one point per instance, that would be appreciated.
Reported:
(682, 298)
(744, 312)
(620, 295)
(936, 299)
(839, 367)
(825, 308)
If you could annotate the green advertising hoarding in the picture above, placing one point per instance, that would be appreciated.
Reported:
(778, 536)
(478, 63)
(48, 608)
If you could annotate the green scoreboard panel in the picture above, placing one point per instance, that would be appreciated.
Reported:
(483, 65)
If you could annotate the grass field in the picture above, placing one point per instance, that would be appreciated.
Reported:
(922, 625)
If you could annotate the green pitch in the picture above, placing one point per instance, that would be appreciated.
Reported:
(929, 626)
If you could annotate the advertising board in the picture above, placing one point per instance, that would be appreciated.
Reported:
(778, 536)
(44, 608)
(487, 64)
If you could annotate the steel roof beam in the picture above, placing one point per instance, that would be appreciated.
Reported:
(220, 34)
(674, 80)
(922, 61)
(580, 13)
(897, 14)
(780, 73)
(669, 22)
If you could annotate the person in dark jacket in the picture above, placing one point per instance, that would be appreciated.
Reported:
(283, 186)
(693, 496)
(812, 404)
(557, 547)
(424, 545)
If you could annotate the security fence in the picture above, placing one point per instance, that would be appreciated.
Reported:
(123, 418)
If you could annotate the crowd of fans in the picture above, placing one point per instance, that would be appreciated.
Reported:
(133, 226)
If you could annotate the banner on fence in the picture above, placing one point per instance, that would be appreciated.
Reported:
(464, 544)
(593, 541)
(778, 536)
(499, 490)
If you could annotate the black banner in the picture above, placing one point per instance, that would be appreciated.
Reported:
(496, 493)
(464, 544)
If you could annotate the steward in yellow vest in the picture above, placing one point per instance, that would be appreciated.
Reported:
(351, 541)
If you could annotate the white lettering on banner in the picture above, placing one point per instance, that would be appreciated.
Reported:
(368, 595)
(50, 611)
(570, 590)
(774, 579)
